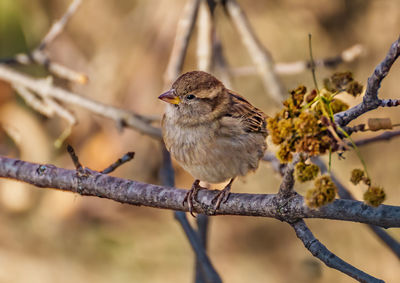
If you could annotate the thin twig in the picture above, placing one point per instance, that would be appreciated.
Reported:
(60, 24)
(126, 158)
(35, 102)
(318, 250)
(371, 100)
(74, 158)
(291, 68)
(260, 56)
(40, 57)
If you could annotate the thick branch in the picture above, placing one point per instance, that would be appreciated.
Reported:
(320, 251)
(137, 193)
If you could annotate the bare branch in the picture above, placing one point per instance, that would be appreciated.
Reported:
(59, 25)
(137, 193)
(183, 33)
(260, 56)
(386, 136)
(44, 89)
(292, 68)
(36, 103)
(370, 99)
(40, 57)
(318, 250)
(204, 38)
(126, 158)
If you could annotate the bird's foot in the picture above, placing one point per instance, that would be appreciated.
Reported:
(222, 196)
(191, 195)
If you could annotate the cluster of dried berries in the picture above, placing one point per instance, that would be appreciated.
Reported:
(339, 82)
(324, 192)
(301, 125)
(306, 172)
(374, 195)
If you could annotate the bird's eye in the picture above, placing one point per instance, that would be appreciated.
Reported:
(190, 96)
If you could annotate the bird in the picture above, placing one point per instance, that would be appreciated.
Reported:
(214, 133)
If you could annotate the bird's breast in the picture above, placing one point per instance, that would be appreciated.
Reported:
(210, 157)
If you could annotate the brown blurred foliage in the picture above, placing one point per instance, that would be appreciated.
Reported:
(123, 46)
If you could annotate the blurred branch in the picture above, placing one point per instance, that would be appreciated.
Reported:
(318, 250)
(260, 56)
(182, 37)
(203, 262)
(38, 55)
(205, 38)
(386, 136)
(59, 25)
(206, 265)
(291, 68)
(137, 193)
(344, 193)
(371, 100)
(45, 89)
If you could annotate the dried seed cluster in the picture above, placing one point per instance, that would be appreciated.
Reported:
(306, 172)
(339, 82)
(302, 126)
(324, 192)
(374, 195)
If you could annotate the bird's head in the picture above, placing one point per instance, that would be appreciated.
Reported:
(196, 96)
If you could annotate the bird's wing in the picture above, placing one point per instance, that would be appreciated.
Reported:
(253, 119)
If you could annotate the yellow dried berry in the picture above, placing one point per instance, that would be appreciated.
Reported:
(354, 88)
(273, 130)
(284, 155)
(338, 105)
(374, 196)
(324, 192)
(298, 95)
(357, 176)
(306, 172)
(308, 145)
(286, 128)
(306, 124)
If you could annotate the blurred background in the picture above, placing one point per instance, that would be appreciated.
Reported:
(124, 47)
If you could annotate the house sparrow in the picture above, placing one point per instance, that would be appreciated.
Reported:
(213, 133)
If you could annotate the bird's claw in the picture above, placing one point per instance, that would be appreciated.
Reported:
(222, 196)
(191, 196)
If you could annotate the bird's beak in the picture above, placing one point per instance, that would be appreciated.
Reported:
(170, 97)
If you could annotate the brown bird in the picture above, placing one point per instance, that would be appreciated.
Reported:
(213, 133)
